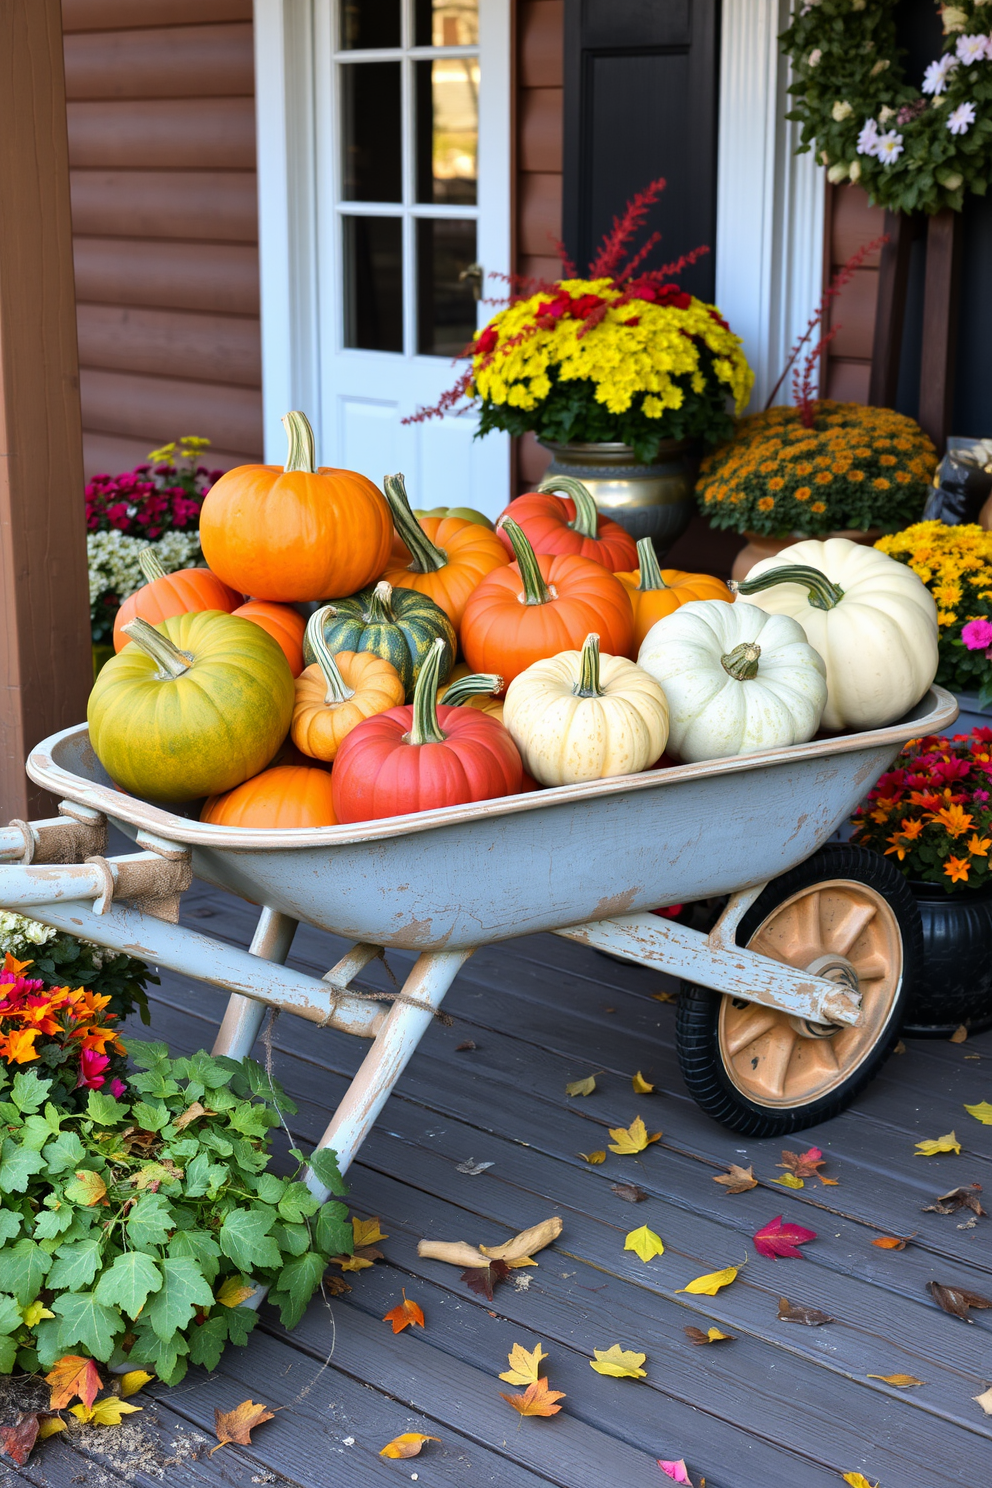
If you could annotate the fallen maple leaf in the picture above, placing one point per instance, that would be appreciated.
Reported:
(776, 1240)
(525, 1365)
(407, 1445)
(71, 1376)
(737, 1179)
(803, 1164)
(811, 1316)
(352, 1262)
(985, 1400)
(956, 1300)
(537, 1400)
(982, 1112)
(133, 1381)
(17, 1441)
(465, 1047)
(631, 1193)
(618, 1362)
(893, 1242)
(238, 1424)
(366, 1231)
(49, 1426)
(677, 1471)
(106, 1412)
(642, 1086)
(959, 1035)
(930, 1146)
(403, 1314)
(713, 1335)
(957, 1198)
(335, 1286)
(900, 1381)
(482, 1279)
(581, 1087)
(632, 1138)
(788, 1180)
(644, 1243)
(858, 1480)
(710, 1284)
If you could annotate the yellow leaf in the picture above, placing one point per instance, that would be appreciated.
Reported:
(521, 1261)
(618, 1362)
(901, 1381)
(407, 1445)
(984, 1400)
(581, 1087)
(525, 1365)
(959, 1035)
(351, 1263)
(50, 1426)
(857, 1480)
(982, 1112)
(234, 1291)
(106, 1412)
(87, 1188)
(133, 1381)
(932, 1145)
(788, 1180)
(367, 1231)
(644, 1243)
(34, 1312)
(665, 996)
(642, 1086)
(593, 1158)
(709, 1285)
(632, 1138)
(714, 1335)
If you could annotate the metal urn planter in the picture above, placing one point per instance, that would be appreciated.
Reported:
(956, 985)
(653, 500)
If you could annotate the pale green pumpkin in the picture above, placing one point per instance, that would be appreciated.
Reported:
(191, 707)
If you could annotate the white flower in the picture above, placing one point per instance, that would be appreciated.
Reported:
(972, 48)
(814, 57)
(113, 560)
(954, 18)
(840, 112)
(868, 138)
(17, 934)
(961, 119)
(855, 170)
(889, 147)
(936, 75)
(885, 114)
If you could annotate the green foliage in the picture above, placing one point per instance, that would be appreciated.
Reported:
(125, 1223)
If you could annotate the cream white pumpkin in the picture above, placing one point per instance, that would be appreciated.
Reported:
(874, 622)
(737, 680)
(582, 716)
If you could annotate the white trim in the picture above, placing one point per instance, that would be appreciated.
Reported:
(770, 201)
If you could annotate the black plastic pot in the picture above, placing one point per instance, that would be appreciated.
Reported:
(956, 986)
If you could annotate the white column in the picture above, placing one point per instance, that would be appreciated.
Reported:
(770, 201)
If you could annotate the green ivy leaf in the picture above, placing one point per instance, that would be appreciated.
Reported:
(28, 1091)
(65, 1153)
(145, 1054)
(298, 1280)
(206, 1343)
(240, 1321)
(207, 1070)
(293, 1239)
(168, 1359)
(245, 1239)
(17, 1164)
(197, 1181)
(334, 1234)
(104, 1109)
(23, 1268)
(269, 1188)
(10, 1315)
(10, 1224)
(8, 1354)
(150, 1117)
(216, 1141)
(200, 1247)
(324, 1163)
(297, 1203)
(128, 1282)
(82, 1319)
(53, 1222)
(150, 1221)
(252, 1120)
(183, 1289)
(35, 1132)
(75, 1266)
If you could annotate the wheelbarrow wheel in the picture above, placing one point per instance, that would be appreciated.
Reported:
(844, 912)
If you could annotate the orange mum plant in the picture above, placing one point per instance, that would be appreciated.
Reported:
(70, 1031)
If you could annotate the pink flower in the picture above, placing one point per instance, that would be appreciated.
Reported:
(675, 1470)
(117, 1088)
(977, 634)
(91, 1067)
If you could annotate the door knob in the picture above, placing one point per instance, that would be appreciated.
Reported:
(474, 275)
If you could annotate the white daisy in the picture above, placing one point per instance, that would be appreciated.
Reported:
(868, 138)
(889, 147)
(936, 75)
(960, 121)
(972, 49)
(813, 59)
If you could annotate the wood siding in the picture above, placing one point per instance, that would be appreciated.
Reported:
(851, 222)
(161, 121)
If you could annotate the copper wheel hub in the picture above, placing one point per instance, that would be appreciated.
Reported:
(840, 929)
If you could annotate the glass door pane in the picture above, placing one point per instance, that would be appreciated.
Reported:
(371, 132)
(447, 104)
(445, 23)
(373, 283)
(367, 24)
(445, 306)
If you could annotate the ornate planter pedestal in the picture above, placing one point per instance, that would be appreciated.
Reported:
(653, 500)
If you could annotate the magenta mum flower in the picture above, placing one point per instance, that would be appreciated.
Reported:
(977, 634)
(117, 1088)
(91, 1067)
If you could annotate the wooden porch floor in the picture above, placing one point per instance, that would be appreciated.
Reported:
(782, 1406)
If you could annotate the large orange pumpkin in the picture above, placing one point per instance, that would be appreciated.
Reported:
(655, 592)
(189, 591)
(295, 533)
(570, 523)
(442, 557)
(283, 624)
(540, 605)
(284, 796)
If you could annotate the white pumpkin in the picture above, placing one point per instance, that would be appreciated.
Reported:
(737, 680)
(582, 716)
(874, 622)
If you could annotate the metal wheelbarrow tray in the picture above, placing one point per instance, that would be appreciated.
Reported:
(784, 1026)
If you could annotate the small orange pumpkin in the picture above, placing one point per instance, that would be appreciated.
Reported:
(655, 592)
(283, 623)
(283, 796)
(450, 556)
(189, 591)
(468, 689)
(339, 692)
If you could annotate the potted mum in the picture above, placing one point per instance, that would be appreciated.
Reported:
(932, 816)
(621, 375)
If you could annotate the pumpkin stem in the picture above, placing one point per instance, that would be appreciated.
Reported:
(338, 690)
(464, 688)
(648, 571)
(380, 605)
(742, 662)
(536, 591)
(586, 519)
(426, 729)
(302, 455)
(426, 557)
(172, 662)
(588, 683)
(823, 595)
(150, 566)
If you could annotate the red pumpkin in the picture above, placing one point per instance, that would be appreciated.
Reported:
(283, 624)
(570, 523)
(280, 797)
(186, 592)
(421, 757)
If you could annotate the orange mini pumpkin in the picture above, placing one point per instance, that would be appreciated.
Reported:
(337, 693)
(655, 592)
(468, 689)
(449, 555)
(283, 796)
(295, 533)
(569, 523)
(284, 624)
(189, 591)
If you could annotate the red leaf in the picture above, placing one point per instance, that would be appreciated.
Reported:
(71, 1376)
(16, 1441)
(776, 1239)
(482, 1279)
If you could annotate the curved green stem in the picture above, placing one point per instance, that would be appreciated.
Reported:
(338, 690)
(648, 570)
(426, 557)
(536, 591)
(426, 729)
(471, 686)
(302, 455)
(823, 595)
(742, 662)
(172, 662)
(588, 683)
(380, 607)
(586, 520)
(150, 567)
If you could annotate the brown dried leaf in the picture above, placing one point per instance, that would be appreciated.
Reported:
(737, 1179)
(805, 1164)
(665, 996)
(900, 1381)
(956, 1300)
(190, 1114)
(812, 1317)
(893, 1242)
(696, 1335)
(955, 1199)
(482, 1279)
(465, 1047)
(16, 1441)
(238, 1424)
(629, 1192)
(335, 1286)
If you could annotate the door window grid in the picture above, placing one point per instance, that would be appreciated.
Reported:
(447, 304)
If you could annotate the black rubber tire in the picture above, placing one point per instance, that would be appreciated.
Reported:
(699, 1007)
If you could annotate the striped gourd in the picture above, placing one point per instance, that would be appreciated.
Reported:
(400, 625)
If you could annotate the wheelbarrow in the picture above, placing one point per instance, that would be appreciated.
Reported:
(789, 1005)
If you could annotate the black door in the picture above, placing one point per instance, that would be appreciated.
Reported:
(641, 102)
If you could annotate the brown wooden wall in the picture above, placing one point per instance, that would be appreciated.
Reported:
(165, 225)
(851, 222)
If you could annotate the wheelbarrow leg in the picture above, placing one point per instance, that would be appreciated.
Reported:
(244, 1015)
(388, 1057)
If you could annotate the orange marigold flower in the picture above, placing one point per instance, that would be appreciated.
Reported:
(803, 493)
(886, 459)
(776, 483)
(903, 477)
(818, 506)
(823, 477)
(880, 483)
(804, 469)
(957, 869)
(856, 475)
(766, 503)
